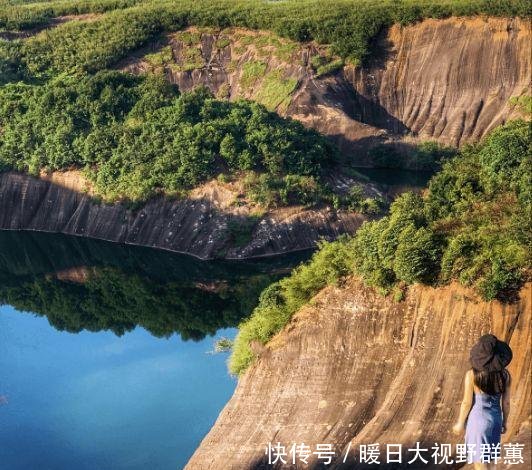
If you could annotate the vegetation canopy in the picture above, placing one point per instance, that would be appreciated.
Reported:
(125, 25)
(137, 136)
(472, 225)
(60, 106)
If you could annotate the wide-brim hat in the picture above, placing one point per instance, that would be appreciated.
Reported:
(490, 354)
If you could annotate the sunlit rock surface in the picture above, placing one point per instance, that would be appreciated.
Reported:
(356, 368)
(448, 80)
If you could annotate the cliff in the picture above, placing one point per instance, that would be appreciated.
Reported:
(213, 222)
(354, 368)
(447, 80)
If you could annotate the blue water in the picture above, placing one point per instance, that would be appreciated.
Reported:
(104, 374)
(97, 401)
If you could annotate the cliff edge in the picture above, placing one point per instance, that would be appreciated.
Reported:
(448, 80)
(356, 368)
(214, 221)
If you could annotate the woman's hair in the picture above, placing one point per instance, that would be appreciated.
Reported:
(491, 382)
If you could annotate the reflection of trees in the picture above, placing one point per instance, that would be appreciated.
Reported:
(113, 300)
(124, 287)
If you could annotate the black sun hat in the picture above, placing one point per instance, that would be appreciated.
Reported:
(490, 354)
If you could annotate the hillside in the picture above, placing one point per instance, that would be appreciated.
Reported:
(413, 87)
(238, 129)
(328, 357)
(387, 96)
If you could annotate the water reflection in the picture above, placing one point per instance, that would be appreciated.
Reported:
(81, 284)
(96, 401)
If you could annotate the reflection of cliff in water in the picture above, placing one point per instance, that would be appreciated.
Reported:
(81, 284)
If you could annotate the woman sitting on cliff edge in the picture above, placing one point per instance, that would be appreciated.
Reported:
(487, 384)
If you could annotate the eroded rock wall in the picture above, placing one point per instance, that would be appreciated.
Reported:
(208, 224)
(357, 368)
(447, 80)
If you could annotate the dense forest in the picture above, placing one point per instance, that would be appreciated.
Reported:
(347, 25)
(138, 136)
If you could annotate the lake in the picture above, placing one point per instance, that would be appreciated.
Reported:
(106, 356)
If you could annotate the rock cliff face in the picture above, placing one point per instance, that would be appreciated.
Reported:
(355, 368)
(209, 224)
(446, 80)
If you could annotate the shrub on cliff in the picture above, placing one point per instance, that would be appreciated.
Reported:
(281, 300)
(417, 256)
(399, 247)
(472, 225)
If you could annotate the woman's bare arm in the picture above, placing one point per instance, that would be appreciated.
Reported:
(506, 403)
(467, 402)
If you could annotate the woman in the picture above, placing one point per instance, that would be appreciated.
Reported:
(487, 384)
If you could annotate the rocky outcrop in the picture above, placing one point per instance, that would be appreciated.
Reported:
(210, 223)
(447, 80)
(356, 368)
